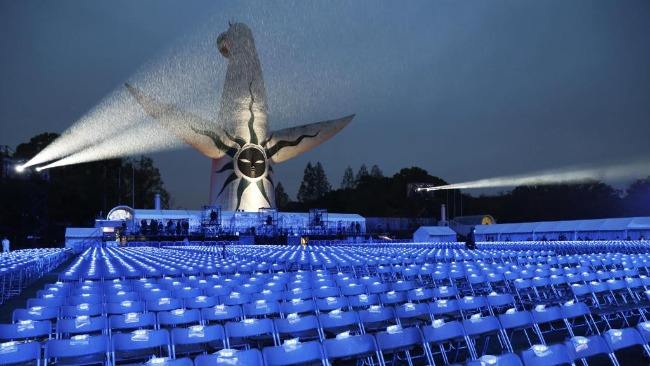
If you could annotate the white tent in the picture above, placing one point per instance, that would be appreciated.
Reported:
(434, 234)
(597, 229)
(79, 238)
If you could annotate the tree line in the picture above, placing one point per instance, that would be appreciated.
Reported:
(37, 207)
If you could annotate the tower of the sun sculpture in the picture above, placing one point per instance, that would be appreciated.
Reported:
(238, 142)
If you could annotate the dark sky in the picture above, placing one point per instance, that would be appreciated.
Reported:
(464, 89)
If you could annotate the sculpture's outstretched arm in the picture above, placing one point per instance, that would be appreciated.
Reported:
(290, 142)
(201, 134)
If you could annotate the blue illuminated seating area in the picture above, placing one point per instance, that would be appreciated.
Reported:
(388, 304)
(571, 247)
(21, 267)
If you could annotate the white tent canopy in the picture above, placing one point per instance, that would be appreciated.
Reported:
(597, 229)
(434, 234)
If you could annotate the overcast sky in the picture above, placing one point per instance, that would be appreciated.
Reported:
(464, 89)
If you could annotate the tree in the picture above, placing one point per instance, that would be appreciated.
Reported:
(314, 183)
(361, 174)
(637, 197)
(306, 192)
(148, 183)
(41, 205)
(348, 179)
(281, 197)
(320, 181)
(375, 172)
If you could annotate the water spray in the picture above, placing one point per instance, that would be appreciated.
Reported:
(564, 176)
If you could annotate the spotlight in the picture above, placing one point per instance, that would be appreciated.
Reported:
(19, 168)
(39, 169)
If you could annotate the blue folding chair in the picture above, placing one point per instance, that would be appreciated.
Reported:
(178, 317)
(506, 359)
(197, 339)
(261, 308)
(164, 304)
(221, 314)
(412, 313)
(331, 303)
(231, 357)
(140, 344)
(296, 326)
(397, 340)
(479, 328)
(293, 352)
(619, 339)
(20, 352)
(363, 301)
(125, 306)
(200, 302)
(35, 313)
(79, 350)
(26, 329)
(584, 348)
(73, 311)
(82, 325)
(513, 322)
(132, 321)
(337, 321)
(441, 334)
(259, 331)
(542, 355)
(298, 306)
(351, 347)
(167, 361)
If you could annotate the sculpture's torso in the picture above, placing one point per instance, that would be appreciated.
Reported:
(243, 114)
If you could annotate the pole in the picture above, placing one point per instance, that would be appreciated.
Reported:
(132, 186)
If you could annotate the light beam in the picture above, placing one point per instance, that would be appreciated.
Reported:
(564, 176)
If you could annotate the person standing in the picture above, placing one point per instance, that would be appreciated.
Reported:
(5, 245)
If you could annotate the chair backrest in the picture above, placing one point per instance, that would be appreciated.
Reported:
(475, 326)
(344, 347)
(82, 325)
(200, 302)
(164, 304)
(221, 313)
(132, 321)
(295, 324)
(337, 319)
(26, 329)
(16, 352)
(125, 306)
(442, 332)
(249, 328)
(140, 339)
(585, 347)
(73, 311)
(541, 355)
(179, 317)
(231, 357)
(516, 320)
(508, 359)
(395, 338)
(77, 346)
(623, 338)
(293, 353)
(35, 313)
(197, 334)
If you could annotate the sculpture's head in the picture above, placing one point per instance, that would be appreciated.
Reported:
(236, 41)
